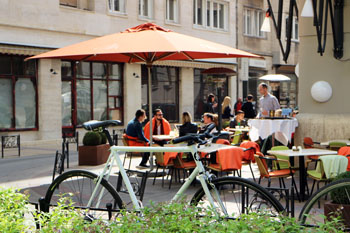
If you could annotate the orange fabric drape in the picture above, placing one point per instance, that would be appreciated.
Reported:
(345, 151)
(249, 155)
(168, 156)
(230, 158)
(166, 127)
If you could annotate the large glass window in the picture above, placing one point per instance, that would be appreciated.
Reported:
(165, 91)
(172, 10)
(98, 92)
(117, 6)
(253, 20)
(146, 8)
(214, 14)
(203, 86)
(18, 93)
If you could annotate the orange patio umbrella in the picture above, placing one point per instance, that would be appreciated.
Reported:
(144, 43)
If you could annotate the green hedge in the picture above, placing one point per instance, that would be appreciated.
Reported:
(176, 217)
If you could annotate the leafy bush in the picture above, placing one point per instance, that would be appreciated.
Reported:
(13, 210)
(164, 217)
(92, 138)
(103, 138)
(340, 195)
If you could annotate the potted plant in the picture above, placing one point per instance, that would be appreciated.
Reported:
(340, 203)
(94, 151)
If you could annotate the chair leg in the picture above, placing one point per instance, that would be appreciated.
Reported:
(163, 177)
(284, 184)
(296, 189)
(280, 182)
(154, 179)
(259, 180)
(312, 189)
(171, 176)
(251, 170)
(269, 182)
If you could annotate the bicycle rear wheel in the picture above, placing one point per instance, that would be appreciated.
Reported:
(78, 185)
(239, 196)
(313, 212)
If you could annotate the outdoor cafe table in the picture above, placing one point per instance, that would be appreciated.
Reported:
(163, 137)
(340, 140)
(246, 129)
(301, 153)
(281, 129)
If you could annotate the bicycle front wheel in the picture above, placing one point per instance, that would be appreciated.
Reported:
(321, 203)
(238, 196)
(78, 186)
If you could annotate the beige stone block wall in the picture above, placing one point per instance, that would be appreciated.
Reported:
(322, 127)
(186, 91)
(49, 105)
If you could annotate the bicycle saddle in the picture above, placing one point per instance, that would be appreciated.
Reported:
(91, 125)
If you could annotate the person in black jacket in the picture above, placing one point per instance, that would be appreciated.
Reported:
(210, 105)
(187, 126)
(248, 108)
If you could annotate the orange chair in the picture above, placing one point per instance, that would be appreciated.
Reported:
(345, 150)
(181, 164)
(131, 141)
(248, 156)
(164, 160)
(309, 143)
(228, 159)
(261, 160)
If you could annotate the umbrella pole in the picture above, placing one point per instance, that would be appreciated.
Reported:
(149, 66)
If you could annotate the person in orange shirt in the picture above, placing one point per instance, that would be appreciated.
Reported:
(160, 126)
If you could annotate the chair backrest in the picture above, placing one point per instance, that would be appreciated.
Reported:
(336, 145)
(249, 155)
(262, 165)
(222, 141)
(282, 164)
(237, 137)
(125, 140)
(230, 158)
(308, 142)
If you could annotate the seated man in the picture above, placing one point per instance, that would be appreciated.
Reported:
(160, 126)
(134, 132)
(238, 120)
(210, 123)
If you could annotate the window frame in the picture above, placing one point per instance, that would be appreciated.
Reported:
(256, 19)
(13, 78)
(91, 79)
(150, 6)
(176, 12)
(111, 7)
(295, 33)
(209, 24)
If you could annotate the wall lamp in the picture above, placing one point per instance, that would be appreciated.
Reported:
(52, 71)
(320, 10)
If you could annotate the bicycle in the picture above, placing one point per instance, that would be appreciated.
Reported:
(228, 196)
(313, 212)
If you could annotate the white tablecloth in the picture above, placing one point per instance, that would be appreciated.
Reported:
(263, 128)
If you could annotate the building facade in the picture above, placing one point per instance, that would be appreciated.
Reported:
(40, 98)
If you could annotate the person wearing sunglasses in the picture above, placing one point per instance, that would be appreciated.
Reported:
(160, 126)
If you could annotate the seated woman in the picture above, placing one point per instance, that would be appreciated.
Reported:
(187, 126)
(226, 109)
(135, 134)
(210, 121)
(238, 120)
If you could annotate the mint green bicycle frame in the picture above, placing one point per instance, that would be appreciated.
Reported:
(199, 170)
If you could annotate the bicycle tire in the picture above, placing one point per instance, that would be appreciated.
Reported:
(70, 181)
(318, 195)
(223, 184)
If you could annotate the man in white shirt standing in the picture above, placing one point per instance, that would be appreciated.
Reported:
(267, 102)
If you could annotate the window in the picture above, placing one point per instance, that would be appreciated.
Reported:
(117, 6)
(295, 28)
(165, 91)
(146, 8)
(172, 11)
(80, 4)
(203, 86)
(18, 93)
(253, 20)
(210, 14)
(98, 92)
